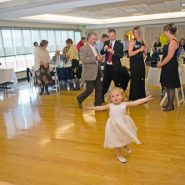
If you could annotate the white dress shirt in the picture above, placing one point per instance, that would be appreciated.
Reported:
(113, 42)
(94, 50)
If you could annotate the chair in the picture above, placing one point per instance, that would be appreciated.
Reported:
(31, 75)
(54, 77)
(179, 101)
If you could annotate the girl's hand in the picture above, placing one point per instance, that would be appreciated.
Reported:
(149, 98)
(159, 65)
(88, 108)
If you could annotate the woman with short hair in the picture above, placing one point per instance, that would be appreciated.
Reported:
(42, 60)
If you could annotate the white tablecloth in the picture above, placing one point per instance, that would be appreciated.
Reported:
(8, 75)
(154, 76)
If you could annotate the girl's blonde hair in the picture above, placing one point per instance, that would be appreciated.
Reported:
(108, 95)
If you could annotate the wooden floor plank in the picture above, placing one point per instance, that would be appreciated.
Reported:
(47, 140)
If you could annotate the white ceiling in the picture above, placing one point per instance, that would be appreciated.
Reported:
(93, 13)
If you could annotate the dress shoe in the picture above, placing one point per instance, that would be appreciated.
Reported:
(165, 106)
(121, 159)
(168, 108)
(42, 90)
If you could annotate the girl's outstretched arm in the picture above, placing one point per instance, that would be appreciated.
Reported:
(138, 102)
(103, 107)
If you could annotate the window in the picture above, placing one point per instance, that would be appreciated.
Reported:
(29, 61)
(8, 42)
(43, 35)
(1, 45)
(51, 40)
(59, 40)
(11, 62)
(19, 46)
(35, 36)
(28, 45)
(77, 37)
(2, 63)
(71, 35)
(64, 38)
(51, 54)
(20, 63)
(16, 44)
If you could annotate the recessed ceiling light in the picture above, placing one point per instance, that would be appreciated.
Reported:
(3, 1)
(136, 14)
(80, 20)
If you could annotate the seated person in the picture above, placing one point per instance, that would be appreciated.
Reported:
(160, 51)
(181, 51)
(148, 59)
(181, 57)
(155, 58)
(57, 57)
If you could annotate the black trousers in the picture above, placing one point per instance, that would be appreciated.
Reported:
(90, 86)
(119, 77)
(76, 70)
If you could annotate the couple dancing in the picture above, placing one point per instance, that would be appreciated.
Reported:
(92, 73)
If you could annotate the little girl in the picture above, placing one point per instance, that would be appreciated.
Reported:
(120, 128)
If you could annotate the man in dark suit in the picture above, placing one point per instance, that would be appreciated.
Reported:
(113, 51)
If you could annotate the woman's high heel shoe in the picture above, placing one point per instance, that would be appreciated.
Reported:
(169, 108)
(165, 106)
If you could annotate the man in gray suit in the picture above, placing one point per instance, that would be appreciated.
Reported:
(91, 70)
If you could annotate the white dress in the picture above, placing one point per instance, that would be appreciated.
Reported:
(120, 128)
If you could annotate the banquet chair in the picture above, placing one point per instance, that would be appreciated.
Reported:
(31, 74)
(54, 77)
(179, 100)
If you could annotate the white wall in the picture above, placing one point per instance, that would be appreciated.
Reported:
(149, 32)
(36, 25)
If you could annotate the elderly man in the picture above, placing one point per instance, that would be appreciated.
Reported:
(91, 70)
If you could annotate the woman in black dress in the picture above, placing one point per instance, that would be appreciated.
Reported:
(136, 50)
(169, 64)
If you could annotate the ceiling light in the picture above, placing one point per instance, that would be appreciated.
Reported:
(80, 20)
(3, 1)
(62, 18)
(137, 14)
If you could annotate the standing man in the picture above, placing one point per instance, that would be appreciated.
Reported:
(125, 45)
(113, 51)
(91, 70)
(80, 43)
(100, 43)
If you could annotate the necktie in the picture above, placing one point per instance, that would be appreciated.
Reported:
(110, 54)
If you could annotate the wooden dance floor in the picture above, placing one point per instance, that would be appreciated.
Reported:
(47, 140)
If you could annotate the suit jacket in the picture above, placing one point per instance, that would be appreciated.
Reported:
(90, 68)
(118, 53)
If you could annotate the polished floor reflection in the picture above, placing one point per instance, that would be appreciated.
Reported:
(47, 140)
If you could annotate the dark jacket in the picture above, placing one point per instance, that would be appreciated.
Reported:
(118, 53)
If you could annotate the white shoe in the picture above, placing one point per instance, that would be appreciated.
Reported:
(121, 159)
(127, 149)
